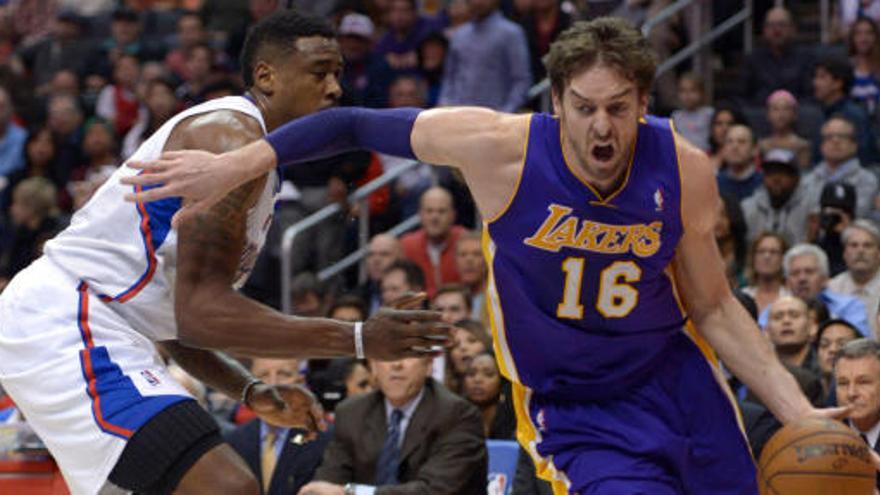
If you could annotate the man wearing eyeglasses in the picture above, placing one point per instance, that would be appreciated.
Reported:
(840, 163)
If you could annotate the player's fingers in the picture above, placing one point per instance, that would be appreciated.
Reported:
(409, 301)
(834, 412)
(410, 315)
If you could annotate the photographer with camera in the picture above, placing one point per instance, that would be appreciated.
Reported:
(837, 205)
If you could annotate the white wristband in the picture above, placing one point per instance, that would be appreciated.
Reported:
(359, 340)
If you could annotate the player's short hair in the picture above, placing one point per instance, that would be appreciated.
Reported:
(609, 41)
(277, 34)
(456, 289)
(804, 249)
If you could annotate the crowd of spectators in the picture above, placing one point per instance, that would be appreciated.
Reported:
(795, 146)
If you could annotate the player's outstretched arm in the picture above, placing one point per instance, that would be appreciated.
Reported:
(462, 137)
(210, 314)
(712, 307)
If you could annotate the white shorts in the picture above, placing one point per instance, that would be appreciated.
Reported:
(83, 378)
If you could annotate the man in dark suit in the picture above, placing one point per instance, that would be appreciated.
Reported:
(410, 436)
(857, 376)
(282, 459)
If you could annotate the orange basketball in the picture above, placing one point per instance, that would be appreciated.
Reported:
(816, 457)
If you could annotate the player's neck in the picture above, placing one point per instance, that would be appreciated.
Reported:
(261, 101)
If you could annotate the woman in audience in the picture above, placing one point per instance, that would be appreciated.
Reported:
(725, 117)
(730, 234)
(864, 51)
(40, 151)
(488, 390)
(764, 273)
(782, 114)
(469, 339)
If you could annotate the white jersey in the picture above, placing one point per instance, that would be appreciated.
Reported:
(127, 252)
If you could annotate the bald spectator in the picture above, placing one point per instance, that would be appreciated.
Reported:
(782, 109)
(12, 138)
(781, 204)
(841, 163)
(806, 273)
(382, 251)
(432, 247)
(861, 252)
(832, 82)
(488, 62)
(739, 177)
(777, 63)
(788, 327)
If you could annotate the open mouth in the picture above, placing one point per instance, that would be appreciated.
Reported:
(603, 153)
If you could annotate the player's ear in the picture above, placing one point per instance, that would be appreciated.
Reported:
(556, 98)
(644, 99)
(264, 77)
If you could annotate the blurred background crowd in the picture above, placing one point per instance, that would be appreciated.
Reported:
(791, 124)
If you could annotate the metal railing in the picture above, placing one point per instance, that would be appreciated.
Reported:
(360, 197)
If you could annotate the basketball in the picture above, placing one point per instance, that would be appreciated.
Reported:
(816, 457)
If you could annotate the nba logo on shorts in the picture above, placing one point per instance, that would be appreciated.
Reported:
(150, 378)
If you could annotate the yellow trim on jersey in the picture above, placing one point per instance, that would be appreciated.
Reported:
(689, 327)
(601, 201)
(529, 437)
(522, 169)
(496, 318)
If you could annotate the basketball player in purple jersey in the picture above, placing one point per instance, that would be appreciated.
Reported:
(599, 236)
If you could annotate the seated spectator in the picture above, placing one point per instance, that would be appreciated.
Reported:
(693, 119)
(469, 339)
(161, 104)
(453, 302)
(830, 339)
(739, 175)
(101, 154)
(334, 380)
(12, 138)
(857, 380)
(730, 235)
(65, 47)
(382, 251)
(861, 252)
(782, 114)
(118, 103)
(766, 282)
(485, 388)
(469, 80)
(34, 219)
(432, 59)
(406, 29)
(401, 278)
(307, 295)
(864, 52)
(724, 118)
(349, 307)
(806, 273)
(190, 32)
(281, 458)
(409, 436)
(781, 204)
(837, 206)
(542, 24)
(432, 247)
(832, 82)
(776, 63)
(39, 156)
(366, 74)
(199, 65)
(474, 273)
(125, 39)
(788, 327)
(840, 163)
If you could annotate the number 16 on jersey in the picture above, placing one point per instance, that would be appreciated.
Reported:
(616, 298)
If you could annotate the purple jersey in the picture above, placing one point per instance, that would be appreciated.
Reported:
(582, 296)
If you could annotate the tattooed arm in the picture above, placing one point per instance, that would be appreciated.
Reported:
(211, 314)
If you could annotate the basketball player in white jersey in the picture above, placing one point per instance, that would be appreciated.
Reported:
(78, 327)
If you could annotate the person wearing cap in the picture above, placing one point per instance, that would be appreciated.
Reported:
(836, 211)
(861, 252)
(840, 163)
(366, 75)
(781, 204)
(782, 109)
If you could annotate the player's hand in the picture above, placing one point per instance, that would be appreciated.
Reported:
(392, 334)
(288, 406)
(410, 300)
(841, 413)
